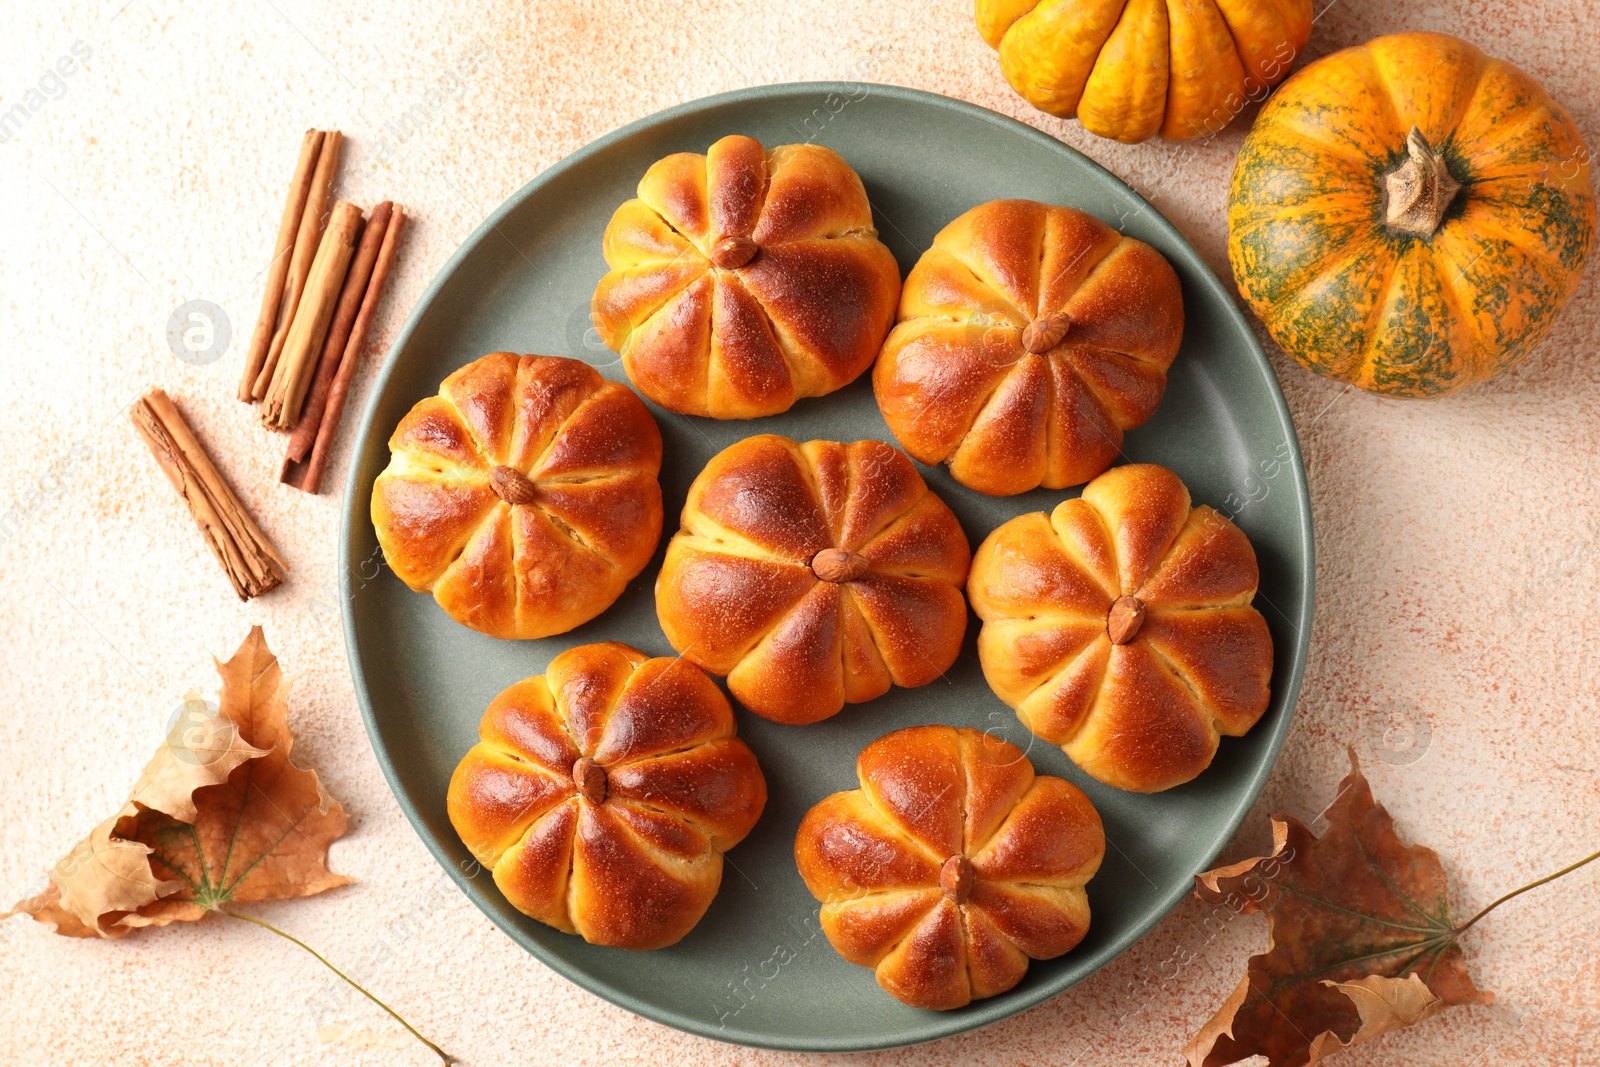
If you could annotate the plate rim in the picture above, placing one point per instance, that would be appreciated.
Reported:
(940, 1025)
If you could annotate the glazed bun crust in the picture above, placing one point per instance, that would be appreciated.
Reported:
(1144, 713)
(740, 592)
(951, 865)
(1029, 337)
(524, 496)
(744, 279)
(603, 793)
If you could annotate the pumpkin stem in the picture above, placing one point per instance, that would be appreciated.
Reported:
(1420, 189)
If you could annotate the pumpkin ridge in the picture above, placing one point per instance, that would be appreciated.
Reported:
(638, 804)
(728, 540)
(891, 526)
(473, 479)
(1361, 370)
(1385, 97)
(531, 811)
(574, 535)
(851, 600)
(1031, 31)
(1332, 146)
(1530, 330)
(1102, 350)
(1307, 274)
(688, 242)
(1453, 298)
(661, 857)
(808, 474)
(1467, 102)
(713, 363)
(778, 620)
(1536, 252)
(1233, 36)
(1197, 44)
(1381, 309)
(1281, 27)
(767, 173)
(1335, 269)
(1120, 96)
(1523, 173)
(1537, 108)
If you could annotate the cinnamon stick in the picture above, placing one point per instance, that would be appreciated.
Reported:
(278, 272)
(344, 317)
(305, 250)
(291, 378)
(307, 476)
(248, 558)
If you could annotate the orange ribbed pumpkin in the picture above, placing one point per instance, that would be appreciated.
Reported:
(1410, 215)
(1129, 69)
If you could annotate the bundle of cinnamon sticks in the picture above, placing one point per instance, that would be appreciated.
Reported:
(251, 563)
(328, 271)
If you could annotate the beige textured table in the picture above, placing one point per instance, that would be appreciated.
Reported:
(1456, 644)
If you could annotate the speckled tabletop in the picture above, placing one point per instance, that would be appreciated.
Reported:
(1455, 645)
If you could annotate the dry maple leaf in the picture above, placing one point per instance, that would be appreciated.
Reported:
(1361, 938)
(219, 816)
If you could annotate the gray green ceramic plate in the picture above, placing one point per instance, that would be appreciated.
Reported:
(757, 970)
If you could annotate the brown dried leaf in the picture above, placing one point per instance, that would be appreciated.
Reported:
(201, 749)
(96, 884)
(220, 815)
(1361, 940)
(1389, 1003)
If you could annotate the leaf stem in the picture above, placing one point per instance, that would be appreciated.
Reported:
(443, 1055)
(1531, 885)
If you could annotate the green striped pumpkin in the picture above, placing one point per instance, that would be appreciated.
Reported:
(1410, 215)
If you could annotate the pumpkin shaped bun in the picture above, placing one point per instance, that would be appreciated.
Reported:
(1030, 337)
(1410, 215)
(951, 866)
(523, 496)
(814, 575)
(603, 793)
(1131, 69)
(744, 279)
(1120, 628)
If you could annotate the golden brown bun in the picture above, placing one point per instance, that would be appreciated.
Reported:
(633, 858)
(1029, 338)
(1194, 663)
(740, 592)
(951, 866)
(588, 511)
(742, 280)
